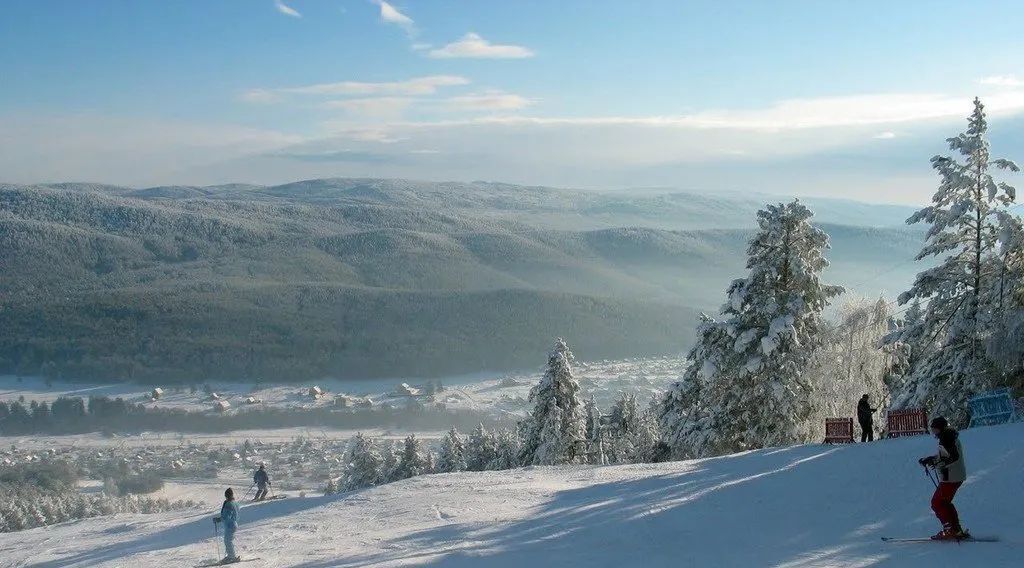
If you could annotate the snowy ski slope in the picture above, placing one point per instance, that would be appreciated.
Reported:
(805, 506)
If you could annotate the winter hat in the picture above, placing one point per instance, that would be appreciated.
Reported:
(939, 422)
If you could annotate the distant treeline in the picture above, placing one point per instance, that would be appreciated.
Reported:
(75, 415)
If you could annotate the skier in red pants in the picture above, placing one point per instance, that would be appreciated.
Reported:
(949, 463)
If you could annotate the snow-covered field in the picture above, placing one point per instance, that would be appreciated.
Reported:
(804, 506)
(501, 395)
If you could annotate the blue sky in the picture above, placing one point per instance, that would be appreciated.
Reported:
(828, 98)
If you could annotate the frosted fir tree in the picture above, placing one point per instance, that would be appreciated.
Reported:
(506, 450)
(853, 361)
(684, 417)
(412, 461)
(632, 431)
(555, 430)
(362, 464)
(1006, 344)
(428, 462)
(389, 459)
(551, 443)
(595, 434)
(757, 393)
(960, 309)
(480, 449)
(622, 418)
(1008, 291)
(451, 456)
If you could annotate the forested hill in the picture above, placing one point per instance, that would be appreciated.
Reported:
(359, 278)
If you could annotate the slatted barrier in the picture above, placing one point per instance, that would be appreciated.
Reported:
(839, 430)
(907, 422)
(994, 407)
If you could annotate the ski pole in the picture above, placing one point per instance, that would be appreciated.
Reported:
(216, 538)
(247, 492)
(929, 474)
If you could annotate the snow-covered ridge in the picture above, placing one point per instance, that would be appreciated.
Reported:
(804, 506)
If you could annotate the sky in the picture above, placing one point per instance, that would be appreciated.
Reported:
(842, 99)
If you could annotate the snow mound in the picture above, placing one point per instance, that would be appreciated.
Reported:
(803, 506)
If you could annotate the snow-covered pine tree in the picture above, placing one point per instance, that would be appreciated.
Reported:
(632, 431)
(555, 431)
(428, 462)
(959, 314)
(389, 462)
(684, 417)
(853, 361)
(451, 456)
(412, 462)
(1006, 345)
(480, 449)
(757, 394)
(595, 434)
(506, 450)
(622, 418)
(362, 464)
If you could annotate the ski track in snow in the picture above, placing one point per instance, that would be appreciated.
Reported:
(798, 507)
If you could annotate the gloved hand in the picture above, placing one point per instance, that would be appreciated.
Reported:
(216, 520)
(928, 461)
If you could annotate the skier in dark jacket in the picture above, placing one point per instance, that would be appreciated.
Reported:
(229, 516)
(952, 472)
(864, 416)
(262, 481)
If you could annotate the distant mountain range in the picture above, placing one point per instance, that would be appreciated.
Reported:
(373, 277)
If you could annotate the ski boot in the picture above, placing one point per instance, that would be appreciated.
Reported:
(951, 533)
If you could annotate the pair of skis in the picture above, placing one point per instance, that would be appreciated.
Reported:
(927, 539)
(225, 562)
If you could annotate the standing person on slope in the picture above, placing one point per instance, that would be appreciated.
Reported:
(229, 516)
(949, 463)
(864, 416)
(262, 481)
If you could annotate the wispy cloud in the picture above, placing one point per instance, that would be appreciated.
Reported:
(426, 85)
(887, 135)
(488, 101)
(286, 9)
(1002, 81)
(373, 107)
(802, 114)
(473, 46)
(391, 15)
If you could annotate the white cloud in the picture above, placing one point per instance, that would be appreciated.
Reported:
(427, 85)
(286, 10)
(391, 15)
(801, 114)
(125, 150)
(472, 45)
(260, 96)
(487, 101)
(1002, 81)
(387, 108)
(887, 135)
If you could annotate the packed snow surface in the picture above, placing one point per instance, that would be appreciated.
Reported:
(804, 506)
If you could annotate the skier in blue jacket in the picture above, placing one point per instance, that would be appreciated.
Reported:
(229, 516)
